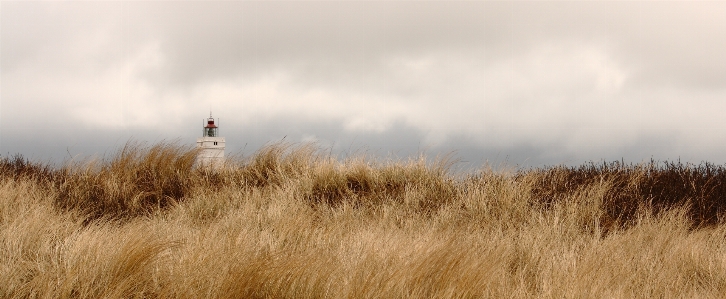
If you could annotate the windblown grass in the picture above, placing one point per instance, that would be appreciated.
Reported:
(291, 222)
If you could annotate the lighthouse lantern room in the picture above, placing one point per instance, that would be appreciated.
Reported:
(211, 145)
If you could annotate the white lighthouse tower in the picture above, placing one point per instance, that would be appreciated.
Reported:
(211, 145)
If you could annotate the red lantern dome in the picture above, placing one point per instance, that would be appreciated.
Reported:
(210, 130)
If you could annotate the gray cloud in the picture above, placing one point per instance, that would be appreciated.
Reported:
(526, 81)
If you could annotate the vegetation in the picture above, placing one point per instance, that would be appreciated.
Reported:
(291, 222)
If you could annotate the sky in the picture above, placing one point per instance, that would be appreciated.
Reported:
(521, 83)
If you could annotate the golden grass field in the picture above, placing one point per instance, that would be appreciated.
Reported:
(291, 222)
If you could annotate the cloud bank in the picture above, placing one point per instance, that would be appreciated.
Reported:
(532, 83)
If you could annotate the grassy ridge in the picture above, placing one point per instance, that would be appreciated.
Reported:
(289, 221)
(658, 186)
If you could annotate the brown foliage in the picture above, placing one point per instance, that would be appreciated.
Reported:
(290, 222)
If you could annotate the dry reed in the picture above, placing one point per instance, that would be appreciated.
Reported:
(291, 222)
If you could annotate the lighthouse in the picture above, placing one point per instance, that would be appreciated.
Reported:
(211, 145)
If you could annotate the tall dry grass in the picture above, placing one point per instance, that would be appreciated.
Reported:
(291, 222)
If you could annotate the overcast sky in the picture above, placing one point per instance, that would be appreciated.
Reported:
(531, 83)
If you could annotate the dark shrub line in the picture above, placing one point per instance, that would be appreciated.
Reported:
(141, 180)
(653, 185)
(21, 168)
